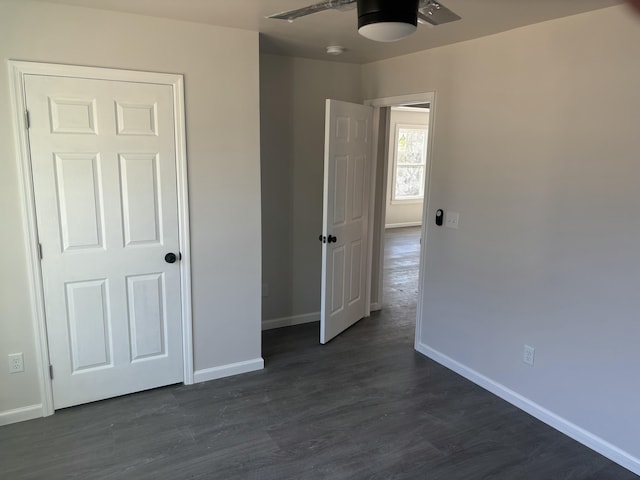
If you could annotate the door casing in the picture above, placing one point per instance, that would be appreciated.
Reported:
(18, 69)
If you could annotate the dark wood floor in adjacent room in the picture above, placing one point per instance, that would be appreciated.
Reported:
(365, 406)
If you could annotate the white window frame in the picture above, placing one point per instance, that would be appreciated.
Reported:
(415, 198)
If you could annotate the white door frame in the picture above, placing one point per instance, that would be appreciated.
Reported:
(405, 100)
(18, 69)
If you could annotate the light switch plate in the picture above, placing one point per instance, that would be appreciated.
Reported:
(452, 220)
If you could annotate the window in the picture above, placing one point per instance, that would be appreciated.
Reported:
(410, 160)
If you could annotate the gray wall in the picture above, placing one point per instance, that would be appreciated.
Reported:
(292, 102)
(222, 86)
(536, 145)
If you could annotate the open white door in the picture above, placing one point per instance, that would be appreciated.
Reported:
(347, 163)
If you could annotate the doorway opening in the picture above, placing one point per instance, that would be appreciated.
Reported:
(398, 253)
(406, 159)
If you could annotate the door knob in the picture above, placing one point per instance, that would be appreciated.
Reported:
(329, 239)
(170, 258)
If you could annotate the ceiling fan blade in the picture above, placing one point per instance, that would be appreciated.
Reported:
(435, 13)
(317, 7)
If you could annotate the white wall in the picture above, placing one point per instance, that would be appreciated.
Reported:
(536, 145)
(402, 213)
(293, 93)
(222, 101)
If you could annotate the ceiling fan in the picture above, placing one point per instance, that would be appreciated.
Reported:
(382, 20)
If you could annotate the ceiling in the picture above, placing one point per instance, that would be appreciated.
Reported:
(308, 36)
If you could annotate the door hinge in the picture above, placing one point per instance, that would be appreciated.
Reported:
(40, 250)
(27, 121)
(51, 372)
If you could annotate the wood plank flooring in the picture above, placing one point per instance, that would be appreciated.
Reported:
(365, 406)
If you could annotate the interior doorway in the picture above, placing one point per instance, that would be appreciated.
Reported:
(406, 159)
(384, 181)
(399, 166)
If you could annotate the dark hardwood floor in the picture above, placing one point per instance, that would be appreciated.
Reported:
(365, 406)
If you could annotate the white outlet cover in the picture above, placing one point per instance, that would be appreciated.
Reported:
(529, 355)
(16, 363)
(452, 219)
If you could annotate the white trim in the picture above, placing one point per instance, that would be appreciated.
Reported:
(408, 201)
(422, 270)
(384, 184)
(410, 109)
(18, 69)
(290, 321)
(401, 100)
(36, 294)
(98, 73)
(376, 307)
(404, 224)
(552, 419)
(373, 163)
(228, 370)
(21, 414)
(183, 228)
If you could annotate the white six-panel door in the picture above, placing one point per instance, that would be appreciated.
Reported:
(104, 172)
(348, 148)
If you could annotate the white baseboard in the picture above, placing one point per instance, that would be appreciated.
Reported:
(21, 414)
(402, 225)
(290, 321)
(375, 307)
(227, 370)
(572, 430)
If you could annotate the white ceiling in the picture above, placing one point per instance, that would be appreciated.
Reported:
(308, 36)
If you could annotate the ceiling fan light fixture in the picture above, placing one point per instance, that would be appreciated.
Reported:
(387, 31)
(387, 20)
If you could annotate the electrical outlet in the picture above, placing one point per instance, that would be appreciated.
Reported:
(16, 363)
(529, 355)
(265, 289)
(452, 219)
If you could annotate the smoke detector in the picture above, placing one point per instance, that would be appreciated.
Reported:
(335, 50)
